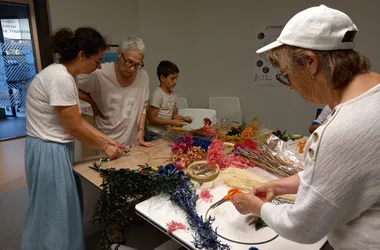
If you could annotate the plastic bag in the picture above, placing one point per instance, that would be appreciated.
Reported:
(281, 150)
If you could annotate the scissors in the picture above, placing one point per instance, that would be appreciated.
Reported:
(228, 197)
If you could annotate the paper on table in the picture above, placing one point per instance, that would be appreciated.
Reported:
(163, 211)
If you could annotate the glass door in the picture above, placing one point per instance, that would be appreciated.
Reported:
(17, 56)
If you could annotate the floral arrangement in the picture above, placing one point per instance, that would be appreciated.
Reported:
(248, 143)
(182, 160)
(247, 132)
(185, 144)
(188, 150)
(207, 121)
(123, 189)
(243, 132)
(215, 155)
(207, 131)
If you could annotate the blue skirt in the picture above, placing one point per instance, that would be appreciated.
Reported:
(54, 216)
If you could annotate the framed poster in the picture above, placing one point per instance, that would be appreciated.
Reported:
(264, 72)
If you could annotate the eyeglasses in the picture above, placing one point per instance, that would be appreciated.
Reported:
(129, 63)
(283, 78)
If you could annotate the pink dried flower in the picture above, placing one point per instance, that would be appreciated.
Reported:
(206, 196)
(215, 155)
(180, 164)
(238, 161)
(208, 131)
(173, 226)
(184, 145)
(188, 140)
(175, 148)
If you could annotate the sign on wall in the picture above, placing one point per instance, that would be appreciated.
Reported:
(264, 72)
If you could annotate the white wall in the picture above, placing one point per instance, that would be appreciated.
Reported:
(113, 18)
(213, 44)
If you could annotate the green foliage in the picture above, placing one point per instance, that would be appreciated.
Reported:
(282, 135)
(121, 190)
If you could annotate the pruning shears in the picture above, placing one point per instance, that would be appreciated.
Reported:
(228, 197)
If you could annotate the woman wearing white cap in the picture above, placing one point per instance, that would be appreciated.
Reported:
(338, 193)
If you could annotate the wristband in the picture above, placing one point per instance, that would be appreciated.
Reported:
(140, 129)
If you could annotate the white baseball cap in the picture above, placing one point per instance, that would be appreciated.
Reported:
(317, 28)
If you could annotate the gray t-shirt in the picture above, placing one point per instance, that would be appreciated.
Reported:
(166, 104)
(122, 106)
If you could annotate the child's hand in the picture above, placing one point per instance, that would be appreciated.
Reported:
(179, 123)
(188, 119)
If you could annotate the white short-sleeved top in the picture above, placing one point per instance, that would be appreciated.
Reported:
(54, 86)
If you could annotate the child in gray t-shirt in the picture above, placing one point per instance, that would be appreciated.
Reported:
(163, 110)
(322, 117)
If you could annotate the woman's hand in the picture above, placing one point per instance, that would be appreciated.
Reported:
(139, 139)
(113, 142)
(266, 191)
(112, 151)
(247, 203)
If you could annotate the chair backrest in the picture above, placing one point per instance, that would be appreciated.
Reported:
(227, 106)
(198, 116)
(182, 103)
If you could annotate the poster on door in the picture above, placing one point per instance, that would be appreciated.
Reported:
(16, 29)
(264, 72)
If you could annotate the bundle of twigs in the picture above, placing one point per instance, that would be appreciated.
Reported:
(206, 131)
(268, 160)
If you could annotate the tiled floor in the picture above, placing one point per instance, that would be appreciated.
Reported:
(12, 127)
(12, 173)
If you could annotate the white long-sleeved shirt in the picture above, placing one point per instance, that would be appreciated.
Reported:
(339, 193)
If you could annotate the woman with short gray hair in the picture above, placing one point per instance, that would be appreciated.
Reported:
(119, 94)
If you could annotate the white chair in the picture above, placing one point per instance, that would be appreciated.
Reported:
(198, 116)
(182, 103)
(227, 106)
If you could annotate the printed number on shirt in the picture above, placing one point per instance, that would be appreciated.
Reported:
(117, 106)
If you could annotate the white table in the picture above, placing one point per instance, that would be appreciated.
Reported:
(160, 210)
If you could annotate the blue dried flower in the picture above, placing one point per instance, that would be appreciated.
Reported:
(180, 172)
(204, 143)
(161, 171)
(205, 237)
(169, 167)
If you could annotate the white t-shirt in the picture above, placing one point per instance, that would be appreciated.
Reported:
(122, 106)
(339, 193)
(53, 86)
(166, 104)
